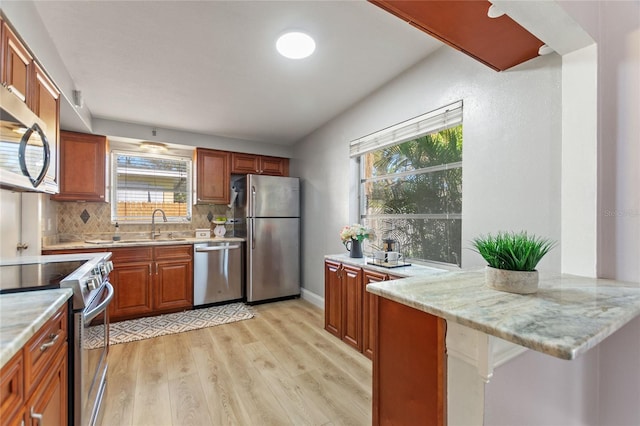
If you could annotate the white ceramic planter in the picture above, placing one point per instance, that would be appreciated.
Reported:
(520, 282)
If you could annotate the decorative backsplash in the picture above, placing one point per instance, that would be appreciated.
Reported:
(81, 221)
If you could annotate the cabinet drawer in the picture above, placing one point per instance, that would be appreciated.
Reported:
(43, 346)
(133, 254)
(11, 388)
(173, 252)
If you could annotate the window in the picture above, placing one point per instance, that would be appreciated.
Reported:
(142, 183)
(411, 185)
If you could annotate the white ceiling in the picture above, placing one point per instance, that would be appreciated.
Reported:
(211, 66)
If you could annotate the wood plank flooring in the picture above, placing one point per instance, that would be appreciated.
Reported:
(279, 368)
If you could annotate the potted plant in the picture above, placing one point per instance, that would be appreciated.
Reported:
(353, 236)
(512, 259)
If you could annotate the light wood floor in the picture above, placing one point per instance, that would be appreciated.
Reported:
(279, 368)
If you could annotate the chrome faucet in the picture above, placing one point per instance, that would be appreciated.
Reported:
(153, 222)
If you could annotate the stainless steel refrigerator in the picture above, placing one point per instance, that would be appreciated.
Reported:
(269, 207)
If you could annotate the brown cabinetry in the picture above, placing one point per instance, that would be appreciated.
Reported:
(151, 280)
(259, 164)
(350, 311)
(499, 43)
(38, 375)
(45, 102)
(82, 167)
(409, 367)
(17, 65)
(212, 176)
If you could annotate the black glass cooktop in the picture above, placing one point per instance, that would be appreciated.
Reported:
(35, 276)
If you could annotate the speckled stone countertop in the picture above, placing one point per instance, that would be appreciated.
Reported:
(22, 315)
(99, 244)
(403, 271)
(565, 318)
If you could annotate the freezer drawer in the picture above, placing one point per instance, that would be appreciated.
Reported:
(217, 275)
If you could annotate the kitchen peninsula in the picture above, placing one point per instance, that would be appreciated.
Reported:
(485, 328)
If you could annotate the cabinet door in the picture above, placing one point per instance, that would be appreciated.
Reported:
(332, 298)
(416, 387)
(212, 176)
(244, 163)
(173, 286)
(132, 285)
(48, 405)
(12, 391)
(17, 64)
(352, 306)
(274, 166)
(82, 167)
(369, 309)
(46, 104)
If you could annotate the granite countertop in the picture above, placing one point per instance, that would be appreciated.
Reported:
(97, 244)
(23, 314)
(403, 271)
(565, 318)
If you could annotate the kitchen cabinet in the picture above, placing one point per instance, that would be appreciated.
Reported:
(17, 65)
(148, 280)
(409, 366)
(213, 175)
(259, 164)
(350, 311)
(82, 167)
(499, 43)
(174, 277)
(45, 102)
(38, 374)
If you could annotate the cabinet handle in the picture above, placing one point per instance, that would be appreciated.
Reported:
(54, 339)
(36, 416)
(156, 268)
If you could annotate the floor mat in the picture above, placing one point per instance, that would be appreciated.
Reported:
(148, 327)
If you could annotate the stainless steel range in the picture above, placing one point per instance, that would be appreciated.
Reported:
(88, 276)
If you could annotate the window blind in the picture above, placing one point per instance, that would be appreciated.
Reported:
(431, 122)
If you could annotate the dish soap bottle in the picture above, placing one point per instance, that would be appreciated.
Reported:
(116, 233)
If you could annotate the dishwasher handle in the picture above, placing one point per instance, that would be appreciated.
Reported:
(216, 248)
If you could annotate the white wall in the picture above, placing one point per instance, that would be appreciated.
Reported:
(511, 152)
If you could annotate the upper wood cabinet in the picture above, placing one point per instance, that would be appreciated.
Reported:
(82, 167)
(259, 164)
(499, 43)
(212, 176)
(45, 102)
(17, 64)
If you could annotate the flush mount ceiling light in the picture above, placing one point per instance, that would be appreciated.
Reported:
(545, 50)
(295, 45)
(153, 146)
(494, 12)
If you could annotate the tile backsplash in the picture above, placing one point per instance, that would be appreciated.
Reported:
(81, 221)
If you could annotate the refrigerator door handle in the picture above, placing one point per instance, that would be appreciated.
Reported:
(253, 235)
(253, 201)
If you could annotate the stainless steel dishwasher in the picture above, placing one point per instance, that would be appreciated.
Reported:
(217, 275)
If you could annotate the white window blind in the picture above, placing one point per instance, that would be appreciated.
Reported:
(431, 122)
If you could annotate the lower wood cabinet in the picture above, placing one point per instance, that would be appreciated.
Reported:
(409, 367)
(151, 280)
(350, 311)
(34, 383)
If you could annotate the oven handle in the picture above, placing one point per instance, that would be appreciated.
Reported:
(102, 306)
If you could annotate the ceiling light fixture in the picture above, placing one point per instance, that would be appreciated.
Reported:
(295, 45)
(494, 12)
(545, 50)
(153, 146)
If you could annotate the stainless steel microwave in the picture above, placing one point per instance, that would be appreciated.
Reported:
(27, 161)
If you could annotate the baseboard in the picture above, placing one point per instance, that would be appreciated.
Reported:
(312, 298)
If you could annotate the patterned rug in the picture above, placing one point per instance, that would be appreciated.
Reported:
(148, 327)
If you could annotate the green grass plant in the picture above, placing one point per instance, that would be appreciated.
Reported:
(512, 251)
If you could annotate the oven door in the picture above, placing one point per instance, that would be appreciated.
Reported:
(91, 349)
